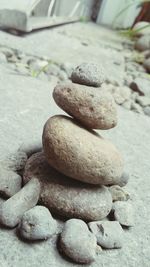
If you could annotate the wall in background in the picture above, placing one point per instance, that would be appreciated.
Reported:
(109, 10)
(73, 8)
(65, 8)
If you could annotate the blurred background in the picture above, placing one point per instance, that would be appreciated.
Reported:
(120, 14)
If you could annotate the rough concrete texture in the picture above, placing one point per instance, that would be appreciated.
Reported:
(25, 105)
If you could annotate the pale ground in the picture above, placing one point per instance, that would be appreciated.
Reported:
(25, 105)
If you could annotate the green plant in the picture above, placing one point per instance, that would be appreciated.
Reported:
(138, 57)
(36, 74)
(132, 33)
(83, 19)
(133, 2)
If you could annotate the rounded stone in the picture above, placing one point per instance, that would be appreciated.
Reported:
(37, 224)
(142, 28)
(143, 43)
(77, 242)
(10, 183)
(67, 197)
(118, 194)
(109, 234)
(89, 74)
(147, 64)
(79, 153)
(121, 94)
(123, 213)
(93, 107)
(147, 111)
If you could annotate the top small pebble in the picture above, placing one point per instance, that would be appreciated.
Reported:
(89, 74)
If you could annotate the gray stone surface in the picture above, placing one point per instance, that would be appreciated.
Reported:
(143, 43)
(146, 64)
(142, 28)
(15, 161)
(65, 196)
(136, 107)
(10, 182)
(108, 234)
(25, 105)
(87, 105)
(118, 194)
(141, 86)
(121, 94)
(124, 213)
(77, 242)
(80, 153)
(37, 224)
(103, 44)
(13, 209)
(147, 111)
(88, 74)
(143, 101)
(124, 179)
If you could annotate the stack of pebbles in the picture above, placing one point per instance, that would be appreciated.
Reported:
(78, 175)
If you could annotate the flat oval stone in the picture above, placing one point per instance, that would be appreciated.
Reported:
(90, 74)
(81, 248)
(79, 153)
(93, 107)
(109, 234)
(65, 196)
(37, 224)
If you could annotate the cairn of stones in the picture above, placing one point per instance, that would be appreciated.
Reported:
(78, 175)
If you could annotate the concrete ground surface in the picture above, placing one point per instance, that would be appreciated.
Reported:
(25, 105)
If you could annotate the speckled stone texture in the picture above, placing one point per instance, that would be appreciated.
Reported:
(77, 242)
(90, 74)
(65, 196)
(81, 154)
(93, 107)
(37, 224)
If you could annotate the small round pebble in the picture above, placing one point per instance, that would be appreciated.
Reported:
(77, 242)
(118, 194)
(143, 43)
(10, 183)
(37, 224)
(89, 74)
(109, 234)
(124, 179)
(123, 213)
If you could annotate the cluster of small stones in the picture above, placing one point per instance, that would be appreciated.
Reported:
(78, 175)
(138, 70)
(39, 67)
(133, 91)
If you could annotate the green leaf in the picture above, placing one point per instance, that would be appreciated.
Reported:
(134, 2)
